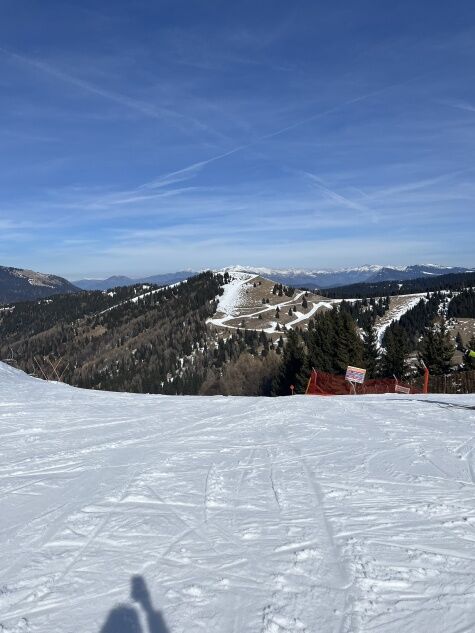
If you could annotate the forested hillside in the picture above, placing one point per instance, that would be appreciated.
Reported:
(455, 282)
(128, 339)
(18, 284)
(165, 340)
(463, 305)
(28, 318)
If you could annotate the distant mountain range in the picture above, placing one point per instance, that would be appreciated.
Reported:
(293, 277)
(345, 276)
(119, 280)
(18, 284)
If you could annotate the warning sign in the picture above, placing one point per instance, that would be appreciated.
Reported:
(355, 374)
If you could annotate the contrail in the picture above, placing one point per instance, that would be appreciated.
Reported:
(159, 113)
(121, 99)
(334, 195)
(194, 166)
(144, 108)
(319, 115)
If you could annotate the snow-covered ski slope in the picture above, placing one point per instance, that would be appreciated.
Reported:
(241, 515)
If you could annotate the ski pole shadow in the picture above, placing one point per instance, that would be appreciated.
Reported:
(125, 618)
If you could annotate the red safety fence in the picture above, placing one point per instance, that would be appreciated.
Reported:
(323, 384)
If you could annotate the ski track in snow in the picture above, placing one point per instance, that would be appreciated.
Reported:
(243, 515)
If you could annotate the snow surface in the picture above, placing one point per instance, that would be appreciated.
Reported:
(241, 515)
(233, 296)
(395, 314)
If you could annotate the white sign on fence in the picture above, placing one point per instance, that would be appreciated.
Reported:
(355, 374)
(401, 389)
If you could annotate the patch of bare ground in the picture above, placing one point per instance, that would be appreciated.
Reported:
(262, 309)
(464, 327)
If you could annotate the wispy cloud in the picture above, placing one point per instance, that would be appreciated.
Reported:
(146, 258)
(336, 197)
(141, 107)
(197, 166)
(270, 137)
(460, 105)
(123, 100)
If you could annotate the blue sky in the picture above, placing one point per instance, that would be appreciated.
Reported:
(148, 136)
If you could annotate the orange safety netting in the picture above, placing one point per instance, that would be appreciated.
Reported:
(323, 384)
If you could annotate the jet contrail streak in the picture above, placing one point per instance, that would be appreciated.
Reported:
(319, 115)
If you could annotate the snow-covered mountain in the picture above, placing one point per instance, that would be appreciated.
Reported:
(124, 512)
(18, 284)
(315, 278)
(319, 278)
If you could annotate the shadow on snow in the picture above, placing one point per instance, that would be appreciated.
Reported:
(125, 619)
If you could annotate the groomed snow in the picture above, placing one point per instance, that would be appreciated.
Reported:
(241, 515)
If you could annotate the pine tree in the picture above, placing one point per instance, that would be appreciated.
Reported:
(436, 349)
(348, 347)
(293, 358)
(393, 361)
(320, 343)
(370, 351)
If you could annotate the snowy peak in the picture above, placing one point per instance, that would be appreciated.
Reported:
(263, 270)
(413, 272)
(329, 278)
(313, 278)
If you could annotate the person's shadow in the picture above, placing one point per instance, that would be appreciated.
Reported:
(125, 619)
